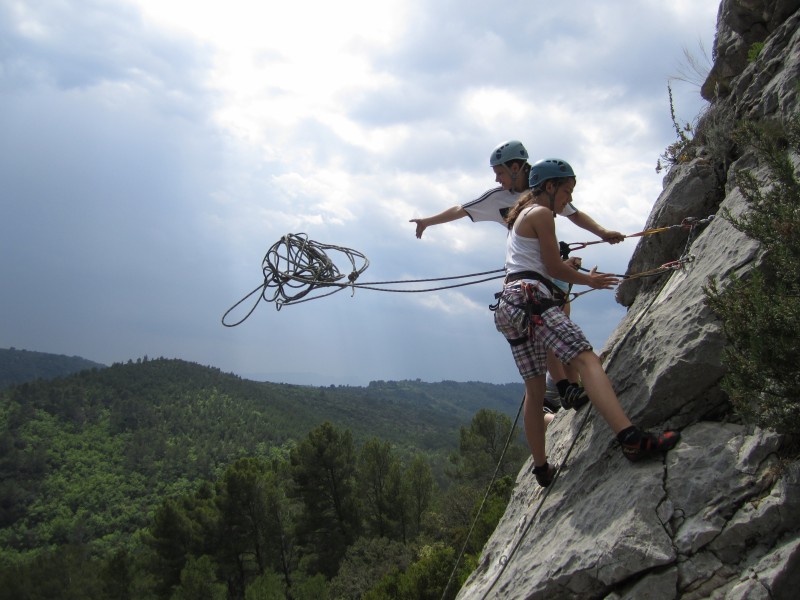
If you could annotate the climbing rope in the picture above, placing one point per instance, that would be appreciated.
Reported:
(689, 223)
(485, 497)
(673, 265)
(297, 270)
(505, 559)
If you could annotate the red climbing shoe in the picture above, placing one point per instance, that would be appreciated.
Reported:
(650, 444)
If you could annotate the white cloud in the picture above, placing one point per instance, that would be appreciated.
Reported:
(161, 146)
(451, 303)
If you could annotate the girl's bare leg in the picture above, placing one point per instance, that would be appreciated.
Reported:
(534, 418)
(598, 387)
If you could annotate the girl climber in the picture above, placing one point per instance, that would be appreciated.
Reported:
(509, 163)
(527, 314)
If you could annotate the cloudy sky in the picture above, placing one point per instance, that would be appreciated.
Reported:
(151, 151)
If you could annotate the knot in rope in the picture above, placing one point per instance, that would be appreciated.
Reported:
(295, 266)
(692, 222)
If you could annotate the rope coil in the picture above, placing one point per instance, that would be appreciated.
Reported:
(295, 266)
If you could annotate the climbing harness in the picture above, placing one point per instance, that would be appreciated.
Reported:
(534, 305)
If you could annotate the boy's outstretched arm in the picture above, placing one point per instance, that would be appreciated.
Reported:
(447, 215)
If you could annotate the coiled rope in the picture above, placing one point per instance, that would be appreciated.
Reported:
(297, 270)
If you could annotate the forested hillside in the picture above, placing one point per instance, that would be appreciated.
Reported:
(148, 462)
(18, 366)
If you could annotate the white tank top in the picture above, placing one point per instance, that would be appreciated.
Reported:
(523, 254)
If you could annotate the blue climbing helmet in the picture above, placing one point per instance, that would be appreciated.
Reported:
(510, 150)
(548, 168)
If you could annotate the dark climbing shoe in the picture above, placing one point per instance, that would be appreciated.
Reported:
(574, 397)
(545, 474)
(650, 444)
(550, 406)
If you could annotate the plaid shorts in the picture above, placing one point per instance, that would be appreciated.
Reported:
(556, 332)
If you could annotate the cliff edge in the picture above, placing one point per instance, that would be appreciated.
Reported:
(719, 517)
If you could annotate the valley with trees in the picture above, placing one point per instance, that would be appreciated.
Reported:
(161, 478)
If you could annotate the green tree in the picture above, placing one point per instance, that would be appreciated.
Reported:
(170, 535)
(117, 576)
(254, 523)
(419, 489)
(488, 461)
(425, 579)
(67, 572)
(268, 586)
(182, 528)
(323, 468)
(485, 448)
(243, 523)
(760, 312)
(311, 587)
(367, 561)
(199, 581)
(379, 479)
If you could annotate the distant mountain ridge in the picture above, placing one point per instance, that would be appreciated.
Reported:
(19, 366)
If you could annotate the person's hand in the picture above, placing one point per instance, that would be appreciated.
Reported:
(421, 226)
(602, 281)
(613, 237)
(574, 262)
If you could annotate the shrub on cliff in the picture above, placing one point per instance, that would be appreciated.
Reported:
(760, 312)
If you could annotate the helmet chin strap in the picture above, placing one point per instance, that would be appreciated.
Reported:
(513, 176)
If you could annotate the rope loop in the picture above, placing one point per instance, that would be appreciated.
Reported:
(297, 269)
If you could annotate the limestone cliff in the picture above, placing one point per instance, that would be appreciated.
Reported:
(719, 517)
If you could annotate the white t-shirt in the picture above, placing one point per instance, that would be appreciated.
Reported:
(494, 204)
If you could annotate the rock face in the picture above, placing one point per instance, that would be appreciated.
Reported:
(719, 517)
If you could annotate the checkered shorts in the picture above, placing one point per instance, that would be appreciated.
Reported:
(556, 332)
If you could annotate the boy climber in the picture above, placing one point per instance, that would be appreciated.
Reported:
(529, 317)
(509, 161)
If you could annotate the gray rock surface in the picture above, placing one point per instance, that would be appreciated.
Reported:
(719, 517)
